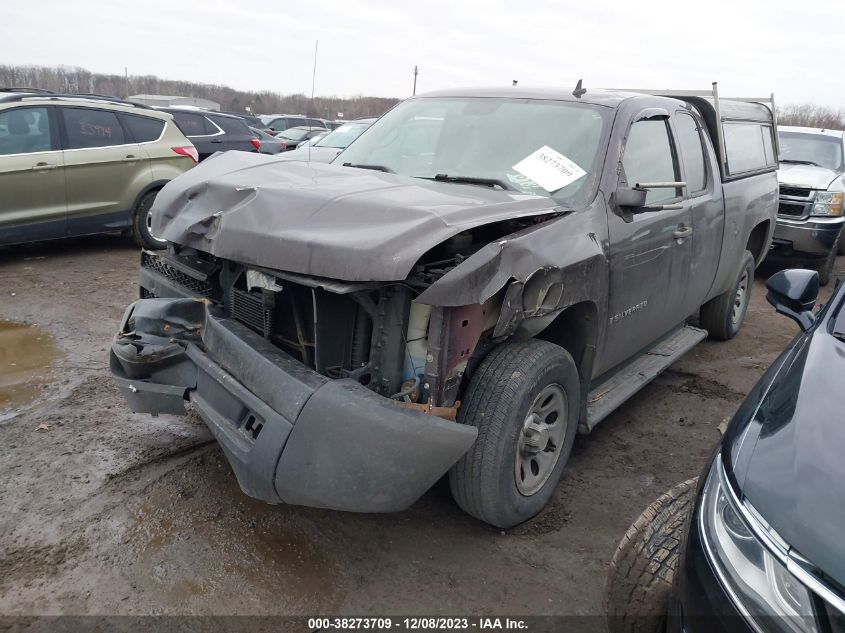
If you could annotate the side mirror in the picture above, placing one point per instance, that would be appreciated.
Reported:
(794, 293)
(632, 199)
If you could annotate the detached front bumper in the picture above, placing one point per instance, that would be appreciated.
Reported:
(290, 434)
(809, 239)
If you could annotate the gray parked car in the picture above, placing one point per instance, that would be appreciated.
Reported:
(326, 149)
(269, 144)
(479, 276)
(812, 187)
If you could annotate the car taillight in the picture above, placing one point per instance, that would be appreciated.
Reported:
(188, 150)
(256, 143)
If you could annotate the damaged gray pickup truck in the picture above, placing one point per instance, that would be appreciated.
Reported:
(481, 274)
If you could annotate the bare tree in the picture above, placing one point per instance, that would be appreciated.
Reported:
(811, 115)
(67, 79)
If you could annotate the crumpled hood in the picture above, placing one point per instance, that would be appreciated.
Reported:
(787, 459)
(808, 176)
(324, 220)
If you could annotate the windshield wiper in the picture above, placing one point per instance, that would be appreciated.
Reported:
(799, 162)
(473, 180)
(386, 170)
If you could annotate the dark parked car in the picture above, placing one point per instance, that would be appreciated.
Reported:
(251, 120)
(326, 149)
(812, 199)
(281, 122)
(212, 132)
(481, 274)
(756, 544)
(296, 135)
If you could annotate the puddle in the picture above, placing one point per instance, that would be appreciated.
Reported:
(27, 354)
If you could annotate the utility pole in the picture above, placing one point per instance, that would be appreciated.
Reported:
(126, 76)
(415, 81)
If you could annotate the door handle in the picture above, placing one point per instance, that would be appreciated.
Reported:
(43, 167)
(130, 159)
(682, 232)
(217, 140)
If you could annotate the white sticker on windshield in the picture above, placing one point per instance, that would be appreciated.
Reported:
(549, 169)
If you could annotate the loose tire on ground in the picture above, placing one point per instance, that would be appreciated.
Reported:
(722, 316)
(639, 581)
(524, 398)
(141, 223)
(825, 269)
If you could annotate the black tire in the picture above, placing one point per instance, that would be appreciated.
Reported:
(841, 248)
(639, 582)
(140, 223)
(502, 397)
(825, 269)
(718, 316)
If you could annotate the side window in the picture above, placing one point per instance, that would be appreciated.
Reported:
(689, 138)
(143, 129)
(231, 126)
(649, 158)
(87, 127)
(749, 146)
(191, 124)
(315, 123)
(25, 131)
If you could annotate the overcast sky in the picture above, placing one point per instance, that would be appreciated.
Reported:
(752, 47)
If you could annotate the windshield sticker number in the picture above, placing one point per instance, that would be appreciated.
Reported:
(549, 169)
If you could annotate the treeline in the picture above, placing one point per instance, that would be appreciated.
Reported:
(809, 115)
(66, 79)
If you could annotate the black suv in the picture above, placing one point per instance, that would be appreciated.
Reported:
(214, 131)
(756, 543)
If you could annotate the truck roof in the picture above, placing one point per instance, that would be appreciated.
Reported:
(811, 130)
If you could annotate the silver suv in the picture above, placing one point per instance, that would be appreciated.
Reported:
(82, 164)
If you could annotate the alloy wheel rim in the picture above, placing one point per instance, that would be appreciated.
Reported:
(541, 439)
(149, 223)
(740, 299)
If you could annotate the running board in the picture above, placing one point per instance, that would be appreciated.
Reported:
(606, 397)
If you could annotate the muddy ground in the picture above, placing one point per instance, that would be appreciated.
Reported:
(109, 512)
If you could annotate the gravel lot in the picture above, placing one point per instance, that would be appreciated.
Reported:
(109, 512)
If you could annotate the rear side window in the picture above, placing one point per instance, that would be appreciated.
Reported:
(92, 128)
(748, 147)
(143, 129)
(193, 124)
(232, 126)
(649, 158)
(25, 131)
(315, 123)
(689, 138)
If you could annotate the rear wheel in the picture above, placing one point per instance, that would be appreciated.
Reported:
(524, 399)
(142, 223)
(722, 316)
(639, 582)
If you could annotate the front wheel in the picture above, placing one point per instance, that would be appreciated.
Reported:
(524, 399)
(639, 582)
(722, 316)
(142, 223)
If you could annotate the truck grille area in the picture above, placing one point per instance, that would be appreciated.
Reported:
(796, 192)
(791, 209)
(160, 265)
(250, 310)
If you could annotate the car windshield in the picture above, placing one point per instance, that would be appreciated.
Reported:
(481, 140)
(341, 137)
(811, 149)
(295, 134)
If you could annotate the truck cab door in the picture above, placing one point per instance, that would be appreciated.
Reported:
(649, 251)
(705, 201)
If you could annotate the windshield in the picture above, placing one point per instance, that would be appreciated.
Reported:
(811, 149)
(341, 137)
(455, 138)
(295, 134)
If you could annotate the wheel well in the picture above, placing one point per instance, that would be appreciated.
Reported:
(576, 329)
(156, 186)
(757, 241)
